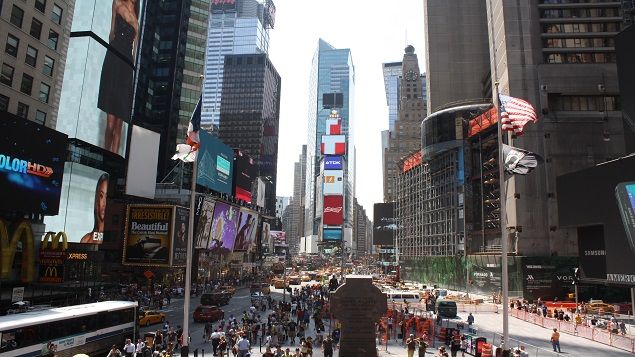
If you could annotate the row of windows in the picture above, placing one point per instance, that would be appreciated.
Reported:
(582, 27)
(31, 57)
(586, 103)
(578, 42)
(593, 57)
(17, 15)
(26, 84)
(580, 12)
(22, 110)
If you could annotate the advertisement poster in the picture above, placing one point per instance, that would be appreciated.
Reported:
(333, 182)
(245, 172)
(148, 235)
(224, 228)
(333, 145)
(99, 75)
(179, 243)
(215, 164)
(333, 163)
(204, 226)
(31, 166)
(279, 243)
(332, 234)
(82, 204)
(247, 228)
(333, 210)
(265, 238)
(384, 224)
(52, 266)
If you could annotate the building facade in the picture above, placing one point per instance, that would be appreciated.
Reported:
(406, 134)
(332, 71)
(361, 238)
(392, 85)
(36, 36)
(250, 114)
(282, 203)
(297, 203)
(235, 27)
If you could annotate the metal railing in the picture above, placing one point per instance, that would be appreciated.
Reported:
(531, 350)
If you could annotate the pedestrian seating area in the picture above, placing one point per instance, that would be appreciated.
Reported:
(569, 327)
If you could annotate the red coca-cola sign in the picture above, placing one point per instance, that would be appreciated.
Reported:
(333, 210)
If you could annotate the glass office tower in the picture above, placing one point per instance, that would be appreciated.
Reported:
(332, 71)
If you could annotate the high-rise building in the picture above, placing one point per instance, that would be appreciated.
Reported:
(297, 203)
(405, 136)
(172, 53)
(282, 202)
(235, 27)
(250, 114)
(360, 231)
(392, 78)
(35, 36)
(332, 71)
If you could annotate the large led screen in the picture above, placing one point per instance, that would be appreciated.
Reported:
(148, 235)
(384, 224)
(31, 166)
(98, 88)
(82, 204)
(247, 228)
(179, 243)
(215, 164)
(333, 210)
(224, 228)
(244, 175)
(204, 227)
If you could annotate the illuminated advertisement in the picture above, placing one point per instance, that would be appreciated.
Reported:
(333, 182)
(148, 235)
(215, 164)
(244, 174)
(384, 223)
(265, 237)
(223, 5)
(333, 163)
(332, 234)
(247, 229)
(99, 75)
(224, 228)
(31, 166)
(333, 145)
(179, 243)
(82, 204)
(333, 210)
(205, 215)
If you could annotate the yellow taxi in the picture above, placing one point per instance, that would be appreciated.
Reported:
(148, 317)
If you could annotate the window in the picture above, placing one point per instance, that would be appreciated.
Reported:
(7, 74)
(45, 89)
(56, 15)
(4, 103)
(27, 84)
(40, 117)
(12, 45)
(17, 15)
(36, 28)
(49, 65)
(53, 38)
(23, 110)
(31, 56)
(40, 5)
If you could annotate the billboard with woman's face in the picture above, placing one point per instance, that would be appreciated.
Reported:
(99, 76)
(247, 228)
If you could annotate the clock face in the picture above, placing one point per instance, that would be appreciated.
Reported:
(410, 75)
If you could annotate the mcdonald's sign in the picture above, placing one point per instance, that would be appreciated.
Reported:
(8, 247)
(52, 257)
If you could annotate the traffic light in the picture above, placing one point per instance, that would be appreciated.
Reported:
(576, 276)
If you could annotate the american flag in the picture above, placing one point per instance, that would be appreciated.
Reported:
(515, 113)
(187, 152)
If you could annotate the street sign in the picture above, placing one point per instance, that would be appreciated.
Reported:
(148, 274)
(18, 294)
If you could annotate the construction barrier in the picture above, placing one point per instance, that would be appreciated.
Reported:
(592, 333)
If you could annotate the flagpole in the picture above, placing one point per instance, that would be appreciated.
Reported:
(503, 223)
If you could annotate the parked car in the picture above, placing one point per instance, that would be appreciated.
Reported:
(148, 317)
(208, 314)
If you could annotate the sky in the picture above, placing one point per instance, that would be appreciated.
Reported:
(376, 32)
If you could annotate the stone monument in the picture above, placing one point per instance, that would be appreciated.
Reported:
(358, 305)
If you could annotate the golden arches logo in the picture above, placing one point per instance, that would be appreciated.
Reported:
(54, 239)
(8, 247)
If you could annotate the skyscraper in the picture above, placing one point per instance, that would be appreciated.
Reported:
(235, 27)
(297, 203)
(332, 71)
(250, 114)
(392, 76)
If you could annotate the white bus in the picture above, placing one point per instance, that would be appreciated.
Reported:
(90, 328)
(402, 296)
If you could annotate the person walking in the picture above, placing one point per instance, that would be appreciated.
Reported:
(327, 346)
(470, 319)
(411, 344)
(243, 346)
(555, 340)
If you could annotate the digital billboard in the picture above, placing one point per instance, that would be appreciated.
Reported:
(278, 243)
(179, 243)
(384, 224)
(82, 204)
(332, 234)
(31, 166)
(247, 229)
(244, 175)
(333, 145)
(333, 163)
(224, 228)
(205, 214)
(148, 235)
(222, 5)
(333, 210)
(215, 164)
(99, 73)
(333, 182)
(265, 237)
